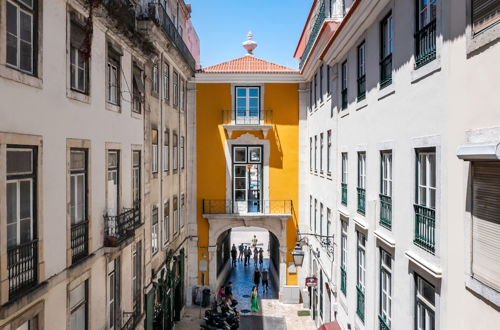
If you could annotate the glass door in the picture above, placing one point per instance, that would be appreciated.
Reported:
(247, 177)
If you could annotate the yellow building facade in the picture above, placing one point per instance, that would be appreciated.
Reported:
(247, 155)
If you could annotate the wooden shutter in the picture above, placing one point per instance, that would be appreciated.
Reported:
(484, 14)
(486, 223)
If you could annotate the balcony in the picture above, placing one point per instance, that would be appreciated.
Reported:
(386, 71)
(247, 120)
(119, 228)
(22, 265)
(344, 194)
(247, 209)
(425, 45)
(318, 23)
(343, 280)
(360, 302)
(159, 15)
(386, 211)
(361, 200)
(425, 227)
(123, 11)
(79, 241)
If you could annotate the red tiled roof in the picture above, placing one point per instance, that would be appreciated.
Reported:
(248, 64)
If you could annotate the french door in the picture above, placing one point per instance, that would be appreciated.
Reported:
(247, 179)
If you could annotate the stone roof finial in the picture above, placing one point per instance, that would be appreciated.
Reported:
(250, 45)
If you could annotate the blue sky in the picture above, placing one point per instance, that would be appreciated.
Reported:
(222, 26)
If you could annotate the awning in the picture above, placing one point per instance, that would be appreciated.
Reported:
(330, 326)
(479, 151)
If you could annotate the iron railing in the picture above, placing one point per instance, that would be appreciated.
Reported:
(344, 193)
(425, 227)
(221, 206)
(343, 280)
(131, 321)
(360, 302)
(344, 99)
(247, 117)
(159, 15)
(320, 18)
(383, 323)
(79, 240)
(386, 71)
(120, 227)
(361, 87)
(386, 211)
(425, 44)
(123, 11)
(22, 265)
(361, 200)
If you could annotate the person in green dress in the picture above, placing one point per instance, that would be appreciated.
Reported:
(255, 299)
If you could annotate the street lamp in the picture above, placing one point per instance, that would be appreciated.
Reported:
(298, 255)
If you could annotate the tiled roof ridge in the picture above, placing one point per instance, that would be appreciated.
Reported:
(248, 64)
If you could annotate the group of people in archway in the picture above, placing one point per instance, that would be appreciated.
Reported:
(245, 254)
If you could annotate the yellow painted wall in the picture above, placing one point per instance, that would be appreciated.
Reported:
(283, 100)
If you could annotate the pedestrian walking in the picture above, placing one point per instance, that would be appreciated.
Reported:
(255, 256)
(248, 255)
(234, 254)
(240, 247)
(256, 277)
(245, 255)
(261, 257)
(254, 299)
(265, 280)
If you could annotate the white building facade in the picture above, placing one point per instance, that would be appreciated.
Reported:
(403, 87)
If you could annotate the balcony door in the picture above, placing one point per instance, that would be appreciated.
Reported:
(247, 105)
(112, 185)
(247, 178)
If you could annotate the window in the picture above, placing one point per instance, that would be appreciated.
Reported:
(315, 153)
(166, 150)
(310, 153)
(78, 305)
(166, 222)
(31, 324)
(182, 212)
(343, 258)
(181, 91)
(321, 294)
(154, 230)
(247, 105)
(176, 89)
(315, 215)
(181, 153)
(328, 224)
(315, 90)
(321, 219)
(310, 212)
(485, 13)
(137, 88)
(344, 178)
(425, 213)
(155, 79)
(360, 288)
(343, 85)
(328, 82)
(79, 63)
(113, 293)
(386, 188)
(385, 290)
(329, 152)
(425, 304)
(154, 152)
(425, 36)
(21, 34)
(361, 182)
(136, 177)
(176, 151)
(361, 72)
(321, 144)
(386, 38)
(166, 81)
(113, 74)
(113, 186)
(310, 96)
(485, 245)
(176, 215)
(321, 83)
(137, 277)
(78, 203)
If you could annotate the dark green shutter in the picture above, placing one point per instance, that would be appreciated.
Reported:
(150, 308)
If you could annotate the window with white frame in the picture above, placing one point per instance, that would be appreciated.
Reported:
(154, 150)
(343, 258)
(166, 81)
(21, 17)
(310, 212)
(362, 170)
(310, 153)
(386, 45)
(343, 85)
(137, 277)
(78, 185)
(136, 177)
(166, 150)
(311, 96)
(182, 93)
(155, 79)
(315, 153)
(154, 230)
(344, 167)
(315, 77)
(321, 147)
(321, 218)
(328, 222)
(329, 152)
(176, 89)
(79, 63)
(426, 178)
(385, 289)
(386, 173)
(113, 293)
(176, 215)
(181, 153)
(425, 301)
(321, 82)
(182, 210)
(361, 256)
(78, 306)
(113, 74)
(361, 71)
(137, 88)
(166, 222)
(175, 151)
(315, 215)
(328, 82)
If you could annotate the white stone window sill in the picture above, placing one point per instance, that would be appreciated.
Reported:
(482, 39)
(77, 96)
(385, 238)
(361, 104)
(343, 211)
(112, 107)
(20, 77)
(386, 91)
(482, 289)
(344, 113)
(430, 268)
(426, 70)
(136, 115)
(361, 223)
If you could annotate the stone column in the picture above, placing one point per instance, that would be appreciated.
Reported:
(212, 267)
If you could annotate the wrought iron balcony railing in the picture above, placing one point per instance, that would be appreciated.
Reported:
(361, 200)
(247, 117)
(361, 87)
(344, 193)
(425, 227)
(360, 303)
(123, 11)
(320, 18)
(386, 211)
(22, 265)
(79, 240)
(425, 44)
(131, 321)
(386, 71)
(247, 207)
(343, 280)
(122, 226)
(158, 14)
